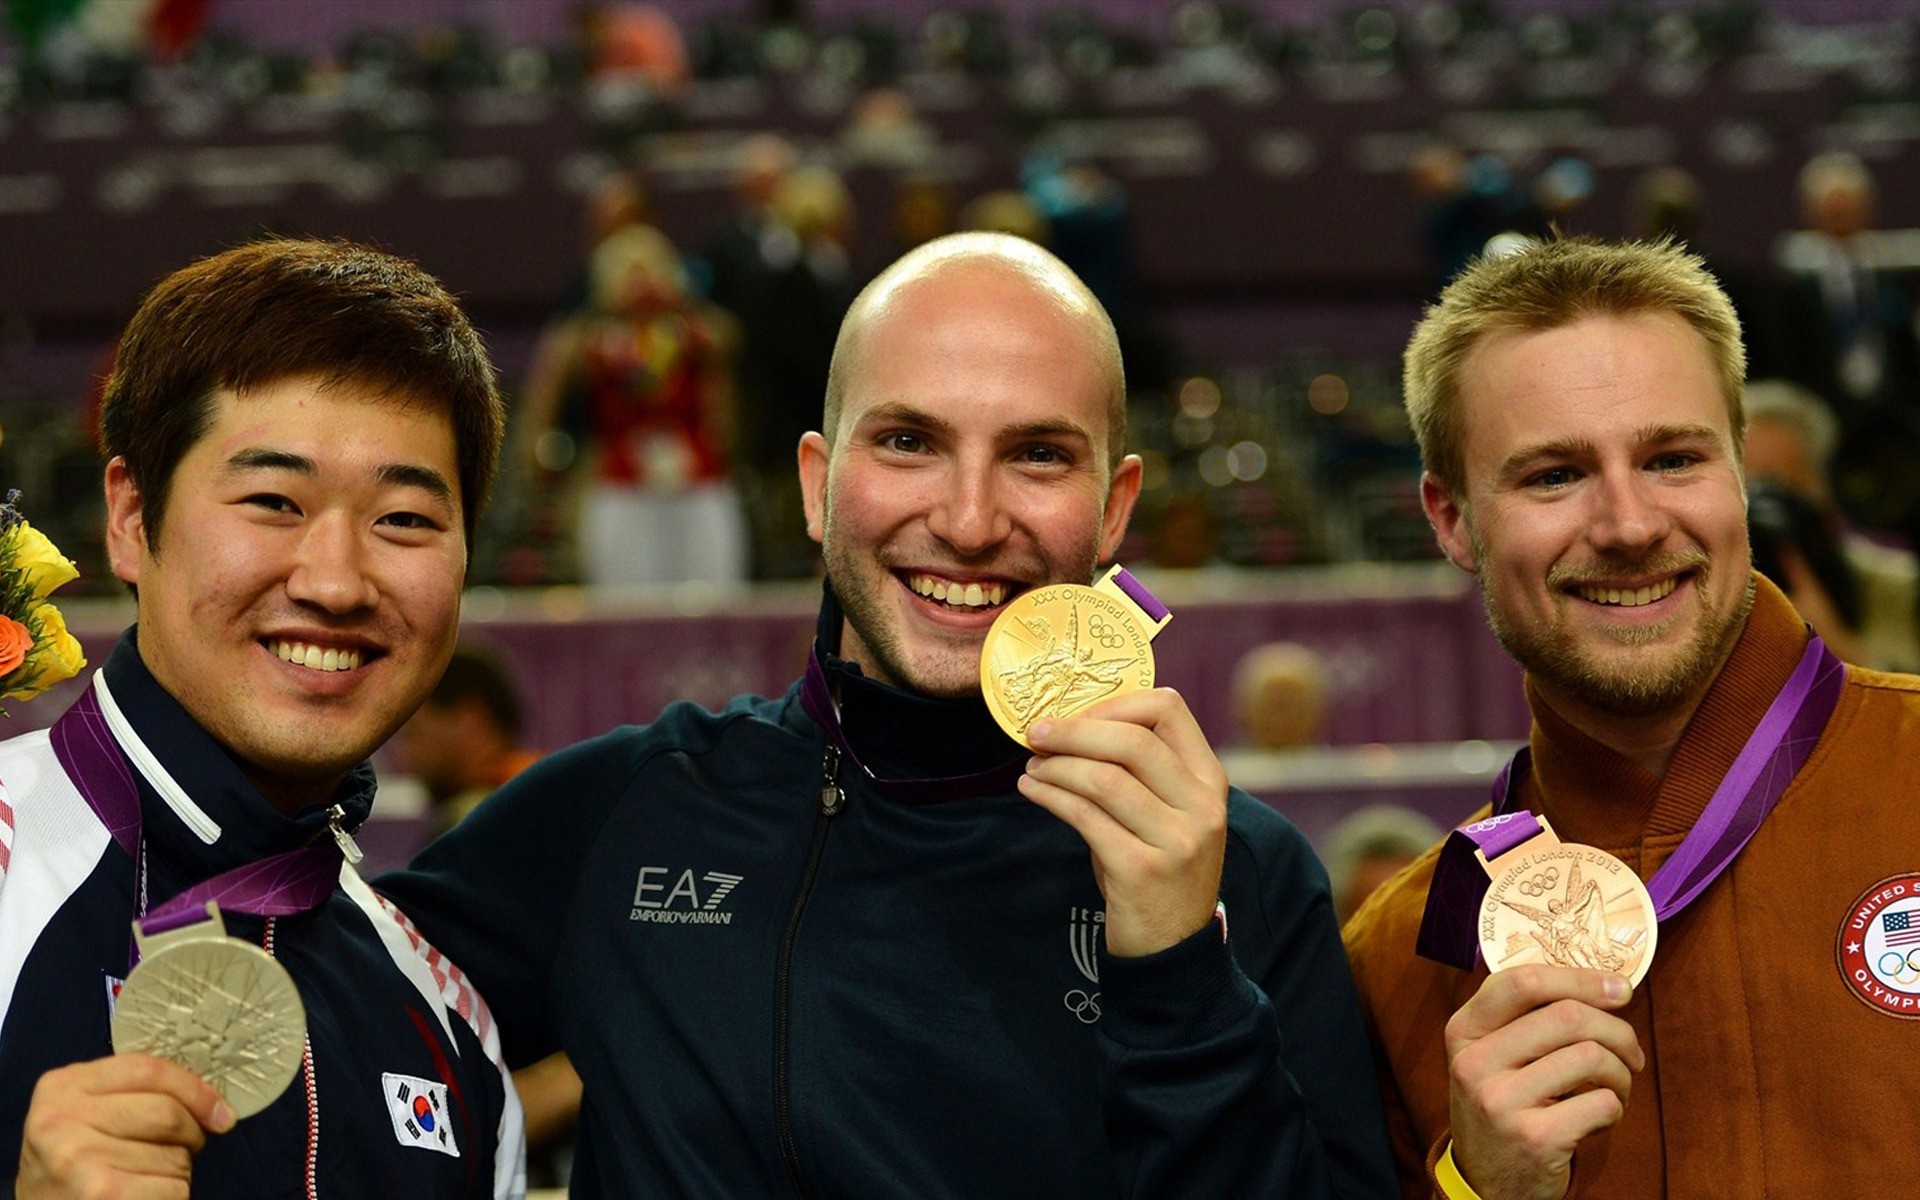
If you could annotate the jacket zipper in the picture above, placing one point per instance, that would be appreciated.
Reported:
(833, 801)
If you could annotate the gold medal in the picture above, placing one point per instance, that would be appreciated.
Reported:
(1566, 905)
(220, 1007)
(1057, 649)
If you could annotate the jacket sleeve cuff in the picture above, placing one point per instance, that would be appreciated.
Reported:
(1190, 991)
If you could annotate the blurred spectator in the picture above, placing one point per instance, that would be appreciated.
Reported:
(1005, 211)
(1468, 201)
(464, 741)
(922, 211)
(735, 252)
(788, 324)
(660, 506)
(1846, 325)
(1369, 847)
(1090, 226)
(1791, 441)
(792, 324)
(1280, 696)
(883, 130)
(1798, 547)
(634, 44)
(1184, 535)
(1665, 202)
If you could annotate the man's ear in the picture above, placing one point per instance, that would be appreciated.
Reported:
(1448, 516)
(1122, 490)
(815, 457)
(126, 523)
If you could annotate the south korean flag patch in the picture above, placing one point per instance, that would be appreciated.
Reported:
(419, 1111)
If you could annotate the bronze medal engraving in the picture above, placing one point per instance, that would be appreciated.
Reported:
(1567, 905)
(1055, 650)
(220, 1007)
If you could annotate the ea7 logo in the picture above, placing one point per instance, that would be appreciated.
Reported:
(663, 899)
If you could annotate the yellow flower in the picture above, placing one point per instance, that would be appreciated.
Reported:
(57, 656)
(40, 562)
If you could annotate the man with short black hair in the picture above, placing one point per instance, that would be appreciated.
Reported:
(299, 435)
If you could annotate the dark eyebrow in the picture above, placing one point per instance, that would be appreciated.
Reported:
(425, 478)
(257, 458)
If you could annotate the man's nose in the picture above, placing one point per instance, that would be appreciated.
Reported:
(330, 569)
(1629, 514)
(969, 515)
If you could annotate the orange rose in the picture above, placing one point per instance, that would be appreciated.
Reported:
(16, 642)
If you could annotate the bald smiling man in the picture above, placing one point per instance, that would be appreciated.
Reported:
(866, 945)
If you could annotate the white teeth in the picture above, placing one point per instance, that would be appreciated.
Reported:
(1631, 597)
(959, 595)
(316, 658)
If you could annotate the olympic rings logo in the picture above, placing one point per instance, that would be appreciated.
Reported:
(1490, 823)
(1106, 634)
(1904, 970)
(1082, 1005)
(1540, 883)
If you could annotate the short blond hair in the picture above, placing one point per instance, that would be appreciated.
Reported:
(999, 251)
(1546, 286)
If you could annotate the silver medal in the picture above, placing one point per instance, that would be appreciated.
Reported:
(220, 1007)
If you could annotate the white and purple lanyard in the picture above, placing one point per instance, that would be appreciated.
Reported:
(295, 881)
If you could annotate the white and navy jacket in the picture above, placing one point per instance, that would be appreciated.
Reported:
(390, 1025)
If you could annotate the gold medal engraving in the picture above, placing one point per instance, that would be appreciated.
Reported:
(1055, 650)
(220, 1007)
(1567, 905)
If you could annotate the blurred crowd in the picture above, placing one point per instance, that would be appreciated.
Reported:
(658, 401)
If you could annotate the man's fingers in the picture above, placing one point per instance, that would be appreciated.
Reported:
(1508, 995)
(1097, 827)
(120, 1076)
(1537, 1034)
(149, 1073)
(1152, 734)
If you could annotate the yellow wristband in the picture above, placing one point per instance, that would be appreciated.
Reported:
(1453, 1185)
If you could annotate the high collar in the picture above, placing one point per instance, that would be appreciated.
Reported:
(1597, 796)
(906, 734)
(251, 828)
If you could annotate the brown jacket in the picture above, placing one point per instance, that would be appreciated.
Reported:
(1768, 1074)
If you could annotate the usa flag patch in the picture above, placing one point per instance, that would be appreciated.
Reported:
(419, 1111)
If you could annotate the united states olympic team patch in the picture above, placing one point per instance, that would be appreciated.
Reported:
(1879, 946)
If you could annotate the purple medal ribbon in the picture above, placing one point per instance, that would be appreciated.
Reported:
(296, 881)
(1138, 593)
(1752, 786)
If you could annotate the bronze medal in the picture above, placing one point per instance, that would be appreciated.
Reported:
(1566, 905)
(1057, 649)
(220, 1007)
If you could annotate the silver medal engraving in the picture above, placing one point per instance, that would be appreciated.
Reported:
(220, 1007)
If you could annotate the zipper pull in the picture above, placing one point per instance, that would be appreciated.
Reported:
(348, 846)
(832, 799)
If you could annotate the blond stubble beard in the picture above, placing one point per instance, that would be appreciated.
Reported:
(1644, 685)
